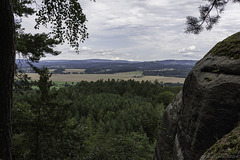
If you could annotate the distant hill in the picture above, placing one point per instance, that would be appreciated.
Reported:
(89, 62)
(176, 68)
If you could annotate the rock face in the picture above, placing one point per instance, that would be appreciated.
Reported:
(168, 129)
(209, 106)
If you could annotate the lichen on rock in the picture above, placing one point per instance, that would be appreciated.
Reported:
(227, 147)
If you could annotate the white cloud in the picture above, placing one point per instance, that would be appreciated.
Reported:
(190, 54)
(189, 49)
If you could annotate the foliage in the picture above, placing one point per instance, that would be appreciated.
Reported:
(21, 8)
(195, 25)
(35, 46)
(58, 71)
(22, 83)
(90, 120)
(67, 25)
(179, 72)
(65, 18)
(38, 119)
(166, 97)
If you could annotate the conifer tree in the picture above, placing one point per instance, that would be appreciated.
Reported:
(68, 24)
(207, 17)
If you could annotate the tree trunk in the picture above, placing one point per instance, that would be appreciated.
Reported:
(7, 62)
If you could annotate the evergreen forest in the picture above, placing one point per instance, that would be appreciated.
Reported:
(102, 120)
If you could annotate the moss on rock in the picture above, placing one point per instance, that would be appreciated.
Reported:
(226, 148)
(229, 47)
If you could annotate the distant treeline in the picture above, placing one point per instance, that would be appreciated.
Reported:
(176, 71)
(181, 73)
(177, 68)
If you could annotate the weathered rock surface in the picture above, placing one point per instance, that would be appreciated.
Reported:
(210, 105)
(168, 130)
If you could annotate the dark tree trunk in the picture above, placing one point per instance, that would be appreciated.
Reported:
(7, 62)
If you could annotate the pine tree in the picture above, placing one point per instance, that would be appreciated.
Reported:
(195, 25)
(68, 24)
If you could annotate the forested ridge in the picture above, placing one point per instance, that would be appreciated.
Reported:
(90, 120)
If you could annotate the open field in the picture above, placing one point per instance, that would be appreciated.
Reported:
(52, 70)
(95, 77)
(75, 70)
(133, 73)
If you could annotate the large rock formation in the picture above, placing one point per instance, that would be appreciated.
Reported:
(209, 107)
(227, 147)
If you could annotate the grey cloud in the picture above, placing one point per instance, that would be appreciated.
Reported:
(147, 30)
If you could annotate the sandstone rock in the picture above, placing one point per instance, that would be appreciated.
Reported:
(166, 135)
(210, 104)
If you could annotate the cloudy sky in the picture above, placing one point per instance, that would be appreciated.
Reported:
(145, 30)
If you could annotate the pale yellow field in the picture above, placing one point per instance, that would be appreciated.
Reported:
(95, 77)
(75, 70)
(51, 70)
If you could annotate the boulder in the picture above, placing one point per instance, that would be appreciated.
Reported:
(210, 105)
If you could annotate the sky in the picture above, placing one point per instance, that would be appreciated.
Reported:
(144, 30)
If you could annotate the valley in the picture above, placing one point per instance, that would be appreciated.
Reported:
(105, 77)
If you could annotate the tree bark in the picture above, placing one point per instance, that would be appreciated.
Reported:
(7, 62)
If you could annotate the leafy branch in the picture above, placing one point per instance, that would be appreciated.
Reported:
(196, 25)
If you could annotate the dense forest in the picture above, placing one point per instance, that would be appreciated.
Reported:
(107, 120)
